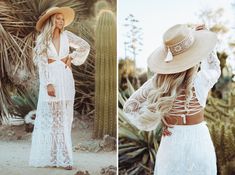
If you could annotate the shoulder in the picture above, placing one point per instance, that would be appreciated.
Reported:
(70, 34)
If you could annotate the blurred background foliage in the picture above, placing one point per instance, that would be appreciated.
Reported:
(137, 149)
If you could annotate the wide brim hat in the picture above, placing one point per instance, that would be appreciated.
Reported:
(68, 13)
(182, 49)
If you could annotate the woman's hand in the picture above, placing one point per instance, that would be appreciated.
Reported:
(68, 62)
(200, 27)
(165, 131)
(51, 90)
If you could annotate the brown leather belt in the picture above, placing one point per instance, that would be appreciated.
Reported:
(51, 60)
(190, 120)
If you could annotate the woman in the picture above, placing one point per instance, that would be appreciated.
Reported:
(175, 97)
(51, 138)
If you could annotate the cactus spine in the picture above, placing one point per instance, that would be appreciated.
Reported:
(105, 75)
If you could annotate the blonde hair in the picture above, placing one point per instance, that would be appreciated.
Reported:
(45, 36)
(168, 87)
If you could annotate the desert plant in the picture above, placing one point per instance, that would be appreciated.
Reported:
(105, 75)
(220, 116)
(223, 136)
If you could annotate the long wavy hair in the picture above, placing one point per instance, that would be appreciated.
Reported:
(168, 87)
(44, 37)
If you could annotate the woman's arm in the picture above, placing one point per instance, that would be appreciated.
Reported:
(208, 74)
(82, 48)
(136, 111)
(44, 72)
(207, 77)
(210, 69)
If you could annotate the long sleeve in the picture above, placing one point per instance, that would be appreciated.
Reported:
(136, 111)
(82, 48)
(43, 65)
(207, 77)
(44, 71)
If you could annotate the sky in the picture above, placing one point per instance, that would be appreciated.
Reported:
(156, 16)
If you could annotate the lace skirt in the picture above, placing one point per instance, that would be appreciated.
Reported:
(188, 151)
(51, 137)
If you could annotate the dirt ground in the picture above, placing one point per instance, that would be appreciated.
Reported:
(15, 147)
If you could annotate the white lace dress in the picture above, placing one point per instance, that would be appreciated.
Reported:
(189, 150)
(51, 138)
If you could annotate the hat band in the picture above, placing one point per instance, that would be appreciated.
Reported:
(182, 46)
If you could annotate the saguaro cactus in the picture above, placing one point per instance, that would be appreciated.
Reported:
(105, 75)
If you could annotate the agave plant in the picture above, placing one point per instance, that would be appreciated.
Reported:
(137, 149)
(17, 36)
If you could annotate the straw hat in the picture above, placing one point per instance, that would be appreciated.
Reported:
(182, 49)
(68, 13)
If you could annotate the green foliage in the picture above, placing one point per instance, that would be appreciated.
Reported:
(24, 101)
(220, 116)
(127, 72)
(105, 75)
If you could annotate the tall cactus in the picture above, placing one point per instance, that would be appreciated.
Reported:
(105, 75)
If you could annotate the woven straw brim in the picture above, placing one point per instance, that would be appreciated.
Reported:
(204, 43)
(68, 13)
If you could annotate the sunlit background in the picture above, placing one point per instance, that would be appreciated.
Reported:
(156, 16)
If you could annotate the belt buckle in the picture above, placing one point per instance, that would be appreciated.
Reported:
(183, 118)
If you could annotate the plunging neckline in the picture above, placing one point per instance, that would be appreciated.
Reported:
(57, 52)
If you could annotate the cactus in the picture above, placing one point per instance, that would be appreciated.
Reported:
(101, 5)
(220, 116)
(105, 75)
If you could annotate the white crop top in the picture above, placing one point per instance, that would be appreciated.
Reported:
(67, 40)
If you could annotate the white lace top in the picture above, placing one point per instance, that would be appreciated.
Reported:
(135, 106)
(67, 39)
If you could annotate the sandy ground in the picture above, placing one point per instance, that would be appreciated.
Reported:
(14, 154)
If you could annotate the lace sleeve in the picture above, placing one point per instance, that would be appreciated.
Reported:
(136, 111)
(207, 77)
(82, 48)
(42, 63)
(134, 102)
(210, 69)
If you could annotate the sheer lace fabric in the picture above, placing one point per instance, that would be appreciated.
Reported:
(135, 106)
(82, 48)
(189, 149)
(51, 138)
(51, 143)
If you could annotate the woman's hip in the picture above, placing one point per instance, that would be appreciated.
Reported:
(188, 148)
